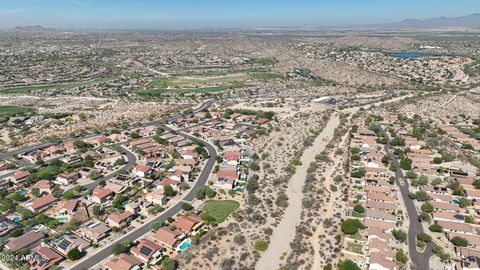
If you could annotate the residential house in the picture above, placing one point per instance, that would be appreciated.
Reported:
(69, 242)
(6, 226)
(146, 250)
(186, 170)
(456, 227)
(187, 224)
(168, 237)
(43, 257)
(119, 220)
(66, 209)
(123, 262)
(224, 183)
(139, 206)
(54, 149)
(93, 230)
(23, 241)
(156, 197)
(20, 176)
(44, 186)
(102, 195)
(169, 181)
(69, 146)
(445, 206)
(142, 170)
(41, 203)
(67, 178)
(380, 215)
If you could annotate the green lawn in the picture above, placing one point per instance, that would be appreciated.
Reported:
(28, 89)
(14, 110)
(356, 214)
(220, 210)
(265, 75)
(210, 89)
(356, 236)
(355, 247)
(206, 79)
(263, 61)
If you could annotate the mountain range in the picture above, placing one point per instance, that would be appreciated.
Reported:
(472, 20)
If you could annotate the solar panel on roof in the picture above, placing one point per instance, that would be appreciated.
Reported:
(145, 251)
(64, 244)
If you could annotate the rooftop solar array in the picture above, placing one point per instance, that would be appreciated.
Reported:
(64, 244)
(145, 251)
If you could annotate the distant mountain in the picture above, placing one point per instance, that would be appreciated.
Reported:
(472, 20)
(32, 28)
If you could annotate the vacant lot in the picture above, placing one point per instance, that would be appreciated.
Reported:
(220, 210)
(14, 110)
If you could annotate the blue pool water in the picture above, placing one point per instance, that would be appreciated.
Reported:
(23, 191)
(16, 219)
(184, 245)
(411, 54)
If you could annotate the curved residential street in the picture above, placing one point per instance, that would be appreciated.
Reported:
(105, 251)
(419, 260)
(202, 179)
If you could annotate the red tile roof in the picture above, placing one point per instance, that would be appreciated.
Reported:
(142, 168)
(168, 237)
(122, 262)
(101, 192)
(20, 174)
(186, 223)
(232, 155)
(43, 201)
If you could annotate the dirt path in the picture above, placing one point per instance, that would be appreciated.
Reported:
(328, 206)
(284, 233)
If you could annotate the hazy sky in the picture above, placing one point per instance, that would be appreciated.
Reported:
(167, 14)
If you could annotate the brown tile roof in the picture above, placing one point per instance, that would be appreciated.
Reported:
(102, 192)
(24, 240)
(380, 205)
(373, 188)
(455, 226)
(43, 201)
(119, 217)
(42, 184)
(70, 205)
(145, 243)
(168, 237)
(446, 206)
(20, 174)
(186, 223)
(142, 168)
(380, 224)
(122, 262)
(378, 196)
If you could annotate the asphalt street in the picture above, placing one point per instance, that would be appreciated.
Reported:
(189, 196)
(419, 260)
(202, 179)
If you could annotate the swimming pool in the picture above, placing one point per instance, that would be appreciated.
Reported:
(16, 219)
(62, 218)
(184, 245)
(23, 191)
